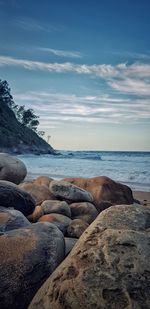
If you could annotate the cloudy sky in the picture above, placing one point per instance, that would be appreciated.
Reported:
(83, 66)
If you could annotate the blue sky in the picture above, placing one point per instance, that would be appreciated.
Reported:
(83, 66)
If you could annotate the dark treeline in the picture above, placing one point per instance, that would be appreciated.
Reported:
(25, 116)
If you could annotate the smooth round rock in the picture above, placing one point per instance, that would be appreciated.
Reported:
(12, 195)
(105, 191)
(11, 219)
(76, 228)
(40, 193)
(108, 267)
(64, 190)
(60, 221)
(11, 168)
(60, 207)
(27, 257)
(85, 211)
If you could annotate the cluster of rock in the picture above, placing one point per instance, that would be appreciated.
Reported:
(41, 221)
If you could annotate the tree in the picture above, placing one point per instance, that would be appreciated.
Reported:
(5, 93)
(25, 116)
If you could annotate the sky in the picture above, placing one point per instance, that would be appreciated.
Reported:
(83, 66)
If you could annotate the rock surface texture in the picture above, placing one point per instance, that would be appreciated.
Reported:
(105, 191)
(13, 196)
(67, 191)
(27, 257)
(108, 268)
(11, 168)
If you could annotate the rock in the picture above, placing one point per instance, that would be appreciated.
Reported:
(85, 211)
(27, 257)
(11, 219)
(11, 168)
(60, 221)
(105, 191)
(40, 193)
(13, 196)
(37, 213)
(66, 191)
(43, 180)
(69, 244)
(60, 207)
(76, 228)
(108, 267)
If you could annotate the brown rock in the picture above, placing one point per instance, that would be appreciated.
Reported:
(40, 193)
(60, 221)
(108, 267)
(43, 180)
(105, 191)
(85, 211)
(27, 257)
(76, 228)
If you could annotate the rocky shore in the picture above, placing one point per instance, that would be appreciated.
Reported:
(72, 243)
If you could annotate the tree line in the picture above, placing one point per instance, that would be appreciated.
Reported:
(26, 117)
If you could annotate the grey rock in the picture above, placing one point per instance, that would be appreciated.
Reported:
(55, 206)
(69, 244)
(85, 211)
(13, 196)
(108, 267)
(11, 168)
(67, 191)
(27, 257)
(76, 228)
(11, 219)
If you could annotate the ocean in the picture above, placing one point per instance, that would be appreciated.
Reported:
(130, 168)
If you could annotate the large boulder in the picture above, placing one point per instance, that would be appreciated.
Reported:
(105, 191)
(13, 196)
(66, 191)
(11, 168)
(11, 219)
(85, 211)
(27, 257)
(40, 193)
(108, 267)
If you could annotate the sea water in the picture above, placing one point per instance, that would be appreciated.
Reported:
(131, 168)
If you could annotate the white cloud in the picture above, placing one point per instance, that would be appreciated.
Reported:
(56, 108)
(61, 53)
(134, 78)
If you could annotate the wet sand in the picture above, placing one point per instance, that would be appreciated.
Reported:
(143, 197)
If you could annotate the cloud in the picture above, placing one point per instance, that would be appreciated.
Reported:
(57, 108)
(133, 78)
(30, 24)
(61, 53)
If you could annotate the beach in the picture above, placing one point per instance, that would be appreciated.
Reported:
(143, 197)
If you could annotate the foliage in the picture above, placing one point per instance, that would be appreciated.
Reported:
(25, 116)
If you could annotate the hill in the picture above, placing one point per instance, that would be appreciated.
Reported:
(16, 138)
